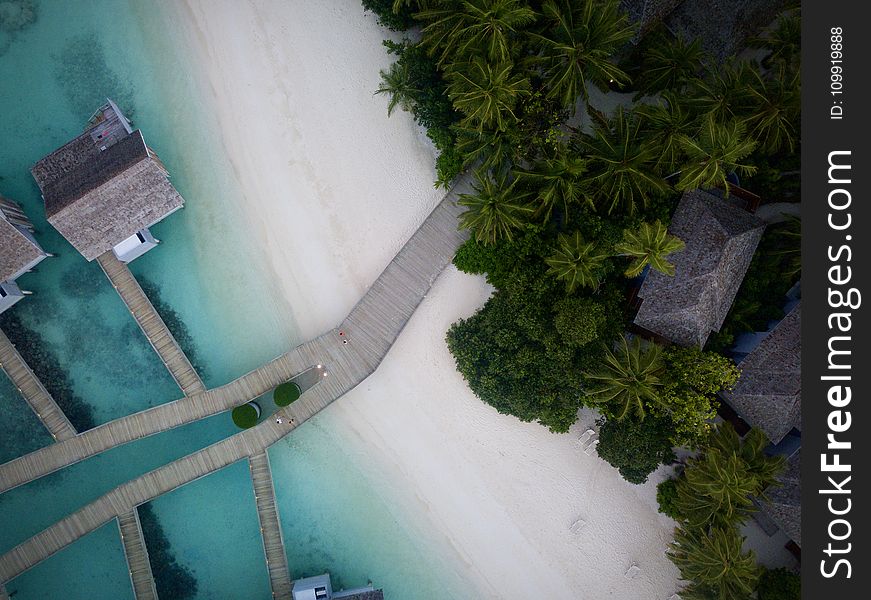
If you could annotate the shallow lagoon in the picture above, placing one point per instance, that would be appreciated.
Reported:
(337, 514)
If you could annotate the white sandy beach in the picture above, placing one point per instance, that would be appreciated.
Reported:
(333, 188)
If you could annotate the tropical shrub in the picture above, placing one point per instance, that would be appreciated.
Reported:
(666, 497)
(636, 447)
(246, 416)
(779, 584)
(286, 393)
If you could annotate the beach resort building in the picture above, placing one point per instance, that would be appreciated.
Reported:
(19, 251)
(320, 588)
(768, 396)
(104, 189)
(721, 237)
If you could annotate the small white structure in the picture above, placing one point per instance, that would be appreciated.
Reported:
(135, 246)
(320, 588)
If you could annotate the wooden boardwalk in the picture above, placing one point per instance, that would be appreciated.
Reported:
(370, 329)
(34, 392)
(270, 527)
(151, 324)
(137, 555)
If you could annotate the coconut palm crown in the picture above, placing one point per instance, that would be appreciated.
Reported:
(576, 261)
(650, 245)
(628, 379)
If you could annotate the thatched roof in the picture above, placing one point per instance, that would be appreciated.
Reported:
(784, 500)
(768, 394)
(17, 250)
(104, 186)
(723, 26)
(645, 14)
(720, 241)
(367, 595)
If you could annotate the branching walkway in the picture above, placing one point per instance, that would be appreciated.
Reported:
(151, 324)
(137, 555)
(34, 392)
(370, 330)
(270, 527)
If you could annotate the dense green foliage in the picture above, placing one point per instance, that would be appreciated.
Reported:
(246, 416)
(398, 20)
(47, 368)
(561, 215)
(636, 378)
(286, 393)
(714, 563)
(779, 584)
(523, 352)
(636, 447)
(666, 498)
(717, 486)
(171, 579)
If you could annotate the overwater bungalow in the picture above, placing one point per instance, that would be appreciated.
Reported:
(19, 251)
(104, 189)
(320, 588)
(721, 236)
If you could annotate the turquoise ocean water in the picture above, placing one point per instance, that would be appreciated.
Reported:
(59, 60)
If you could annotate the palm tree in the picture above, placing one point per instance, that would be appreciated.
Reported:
(718, 486)
(775, 118)
(714, 563)
(576, 261)
(556, 182)
(664, 124)
(487, 93)
(492, 148)
(650, 245)
(458, 29)
(784, 41)
(622, 165)
(725, 92)
(629, 379)
(751, 450)
(669, 64)
(788, 249)
(494, 210)
(397, 82)
(717, 151)
(577, 45)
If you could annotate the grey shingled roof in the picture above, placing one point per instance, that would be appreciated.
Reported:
(720, 241)
(16, 250)
(768, 394)
(784, 500)
(723, 26)
(369, 595)
(645, 14)
(99, 191)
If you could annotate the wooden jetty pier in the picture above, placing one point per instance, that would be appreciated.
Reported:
(34, 392)
(369, 332)
(137, 555)
(152, 325)
(270, 526)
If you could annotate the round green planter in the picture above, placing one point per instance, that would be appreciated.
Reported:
(246, 416)
(286, 393)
